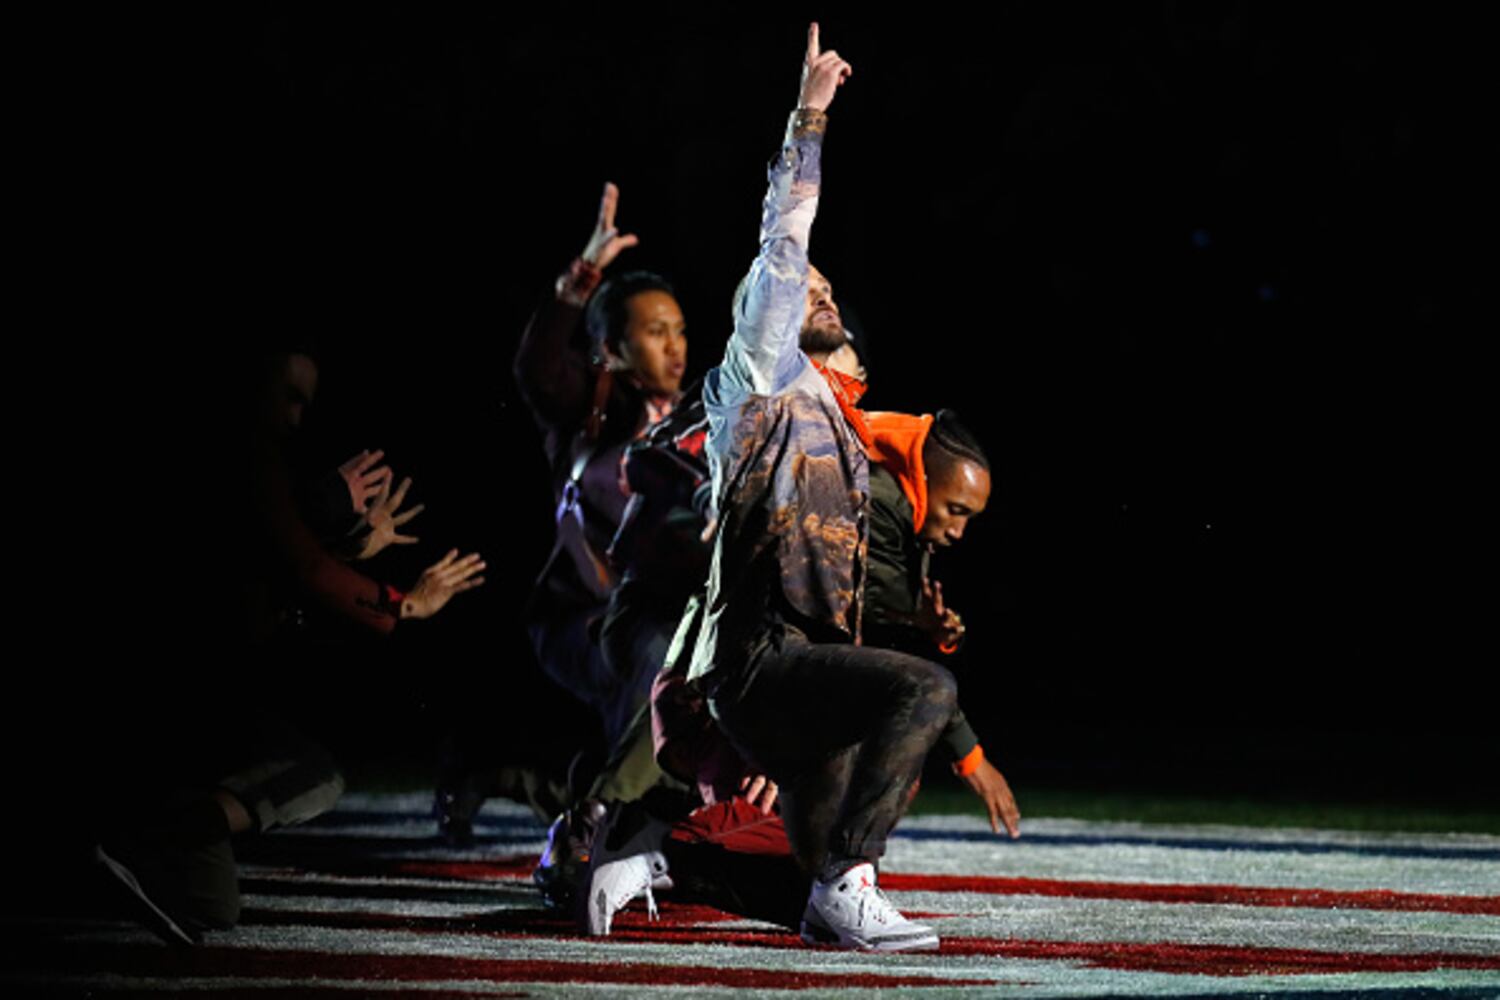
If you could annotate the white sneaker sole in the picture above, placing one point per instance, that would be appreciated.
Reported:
(816, 934)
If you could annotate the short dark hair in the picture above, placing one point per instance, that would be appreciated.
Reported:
(605, 318)
(948, 443)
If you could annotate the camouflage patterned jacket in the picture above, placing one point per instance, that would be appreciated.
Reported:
(790, 474)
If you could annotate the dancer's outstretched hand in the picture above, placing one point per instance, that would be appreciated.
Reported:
(385, 516)
(822, 73)
(439, 582)
(993, 790)
(364, 479)
(606, 242)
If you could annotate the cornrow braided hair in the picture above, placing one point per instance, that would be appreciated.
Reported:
(950, 442)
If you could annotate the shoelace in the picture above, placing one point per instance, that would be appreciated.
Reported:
(652, 913)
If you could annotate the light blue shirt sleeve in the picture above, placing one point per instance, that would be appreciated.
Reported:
(764, 356)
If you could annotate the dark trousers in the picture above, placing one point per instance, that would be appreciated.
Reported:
(843, 730)
(612, 674)
(176, 839)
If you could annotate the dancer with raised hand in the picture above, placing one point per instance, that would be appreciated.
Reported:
(843, 729)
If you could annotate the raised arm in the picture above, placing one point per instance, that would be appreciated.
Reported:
(763, 353)
(555, 377)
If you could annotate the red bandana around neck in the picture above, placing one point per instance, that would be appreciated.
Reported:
(847, 390)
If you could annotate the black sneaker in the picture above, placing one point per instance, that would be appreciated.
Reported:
(567, 853)
(455, 806)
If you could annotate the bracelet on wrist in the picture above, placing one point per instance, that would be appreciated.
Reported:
(969, 763)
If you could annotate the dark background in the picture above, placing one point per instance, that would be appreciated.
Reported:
(1189, 272)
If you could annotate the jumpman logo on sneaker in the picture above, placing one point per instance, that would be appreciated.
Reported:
(851, 912)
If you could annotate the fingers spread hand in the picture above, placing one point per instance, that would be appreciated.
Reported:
(463, 569)
(369, 458)
(399, 497)
(402, 518)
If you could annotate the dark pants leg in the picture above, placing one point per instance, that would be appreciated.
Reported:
(177, 844)
(812, 799)
(616, 687)
(633, 639)
(632, 644)
(843, 730)
(568, 653)
(631, 770)
(292, 781)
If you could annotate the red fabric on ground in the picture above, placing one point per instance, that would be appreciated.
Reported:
(737, 826)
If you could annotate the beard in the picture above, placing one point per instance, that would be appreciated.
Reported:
(823, 337)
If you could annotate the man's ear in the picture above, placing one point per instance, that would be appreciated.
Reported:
(605, 355)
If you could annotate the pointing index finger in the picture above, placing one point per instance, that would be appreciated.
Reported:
(607, 206)
(812, 42)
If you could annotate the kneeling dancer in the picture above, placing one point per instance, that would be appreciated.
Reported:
(843, 729)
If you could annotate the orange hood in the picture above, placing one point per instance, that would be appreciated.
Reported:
(896, 443)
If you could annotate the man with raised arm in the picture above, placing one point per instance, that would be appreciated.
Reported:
(843, 729)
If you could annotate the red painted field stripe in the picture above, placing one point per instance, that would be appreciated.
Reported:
(678, 925)
(1168, 956)
(503, 869)
(500, 922)
(1215, 960)
(146, 960)
(1239, 895)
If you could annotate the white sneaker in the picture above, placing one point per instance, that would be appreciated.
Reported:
(850, 912)
(614, 884)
